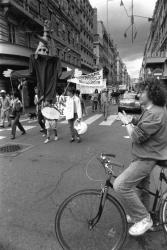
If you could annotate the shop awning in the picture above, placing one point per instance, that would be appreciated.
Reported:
(66, 75)
(155, 60)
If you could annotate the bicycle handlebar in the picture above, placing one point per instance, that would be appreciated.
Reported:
(108, 164)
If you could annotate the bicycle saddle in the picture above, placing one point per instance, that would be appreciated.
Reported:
(162, 163)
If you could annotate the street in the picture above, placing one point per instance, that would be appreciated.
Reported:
(36, 181)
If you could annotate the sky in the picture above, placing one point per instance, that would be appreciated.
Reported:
(131, 54)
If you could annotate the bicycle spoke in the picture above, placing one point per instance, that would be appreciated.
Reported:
(75, 228)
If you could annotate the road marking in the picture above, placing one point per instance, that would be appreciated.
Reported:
(32, 121)
(24, 120)
(109, 121)
(92, 119)
(127, 137)
(25, 127)
(88, 121)
(2, 137)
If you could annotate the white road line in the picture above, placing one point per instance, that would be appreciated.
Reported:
(24, 120)
(2, 137)
(109, 121)
(25, 127)
(32, 121)
(127, 137)
(88, 121)
(92, 119)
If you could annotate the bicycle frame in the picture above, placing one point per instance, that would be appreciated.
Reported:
(108, 185)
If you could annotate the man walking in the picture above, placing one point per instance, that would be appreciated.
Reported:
(17, 108)
(104, 103)
(5, 107)
(73, 113)
(39, 105)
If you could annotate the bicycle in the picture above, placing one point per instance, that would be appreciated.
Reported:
(95, 220)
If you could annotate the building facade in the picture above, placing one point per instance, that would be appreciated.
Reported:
(107, 55)
(104, 50)
(155, 53)
(86, 36)
(72, 33)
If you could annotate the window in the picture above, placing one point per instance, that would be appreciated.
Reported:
(12, 33)
(69, 40)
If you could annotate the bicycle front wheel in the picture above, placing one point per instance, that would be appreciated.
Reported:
(72, 222)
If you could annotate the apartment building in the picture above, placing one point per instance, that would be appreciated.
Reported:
(21, 20)
(155, 53)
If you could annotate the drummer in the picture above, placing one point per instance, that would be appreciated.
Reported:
(50, 124)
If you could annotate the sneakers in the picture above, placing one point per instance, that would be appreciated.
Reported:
(78, 139)
(72, 139)
(141, 227)
(56, 138)
(47, 140)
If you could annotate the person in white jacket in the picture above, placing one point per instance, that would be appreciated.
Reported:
(73, 113)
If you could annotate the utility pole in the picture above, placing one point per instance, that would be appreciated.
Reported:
(132, 22)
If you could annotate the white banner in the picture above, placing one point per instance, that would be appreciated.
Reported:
(91, 89)
(91, 80)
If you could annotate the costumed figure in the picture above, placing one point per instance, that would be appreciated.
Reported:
(47, 68)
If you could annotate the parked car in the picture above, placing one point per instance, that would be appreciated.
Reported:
(129, 103)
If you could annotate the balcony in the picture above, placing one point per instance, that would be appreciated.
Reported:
(29, 13)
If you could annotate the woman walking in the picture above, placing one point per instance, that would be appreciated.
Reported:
(73, 113)
(95, 97)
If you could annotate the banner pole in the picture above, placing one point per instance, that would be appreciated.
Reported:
(66, 88)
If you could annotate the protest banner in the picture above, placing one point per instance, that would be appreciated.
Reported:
(88, 83)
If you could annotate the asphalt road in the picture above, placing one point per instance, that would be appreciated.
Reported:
(35, 182)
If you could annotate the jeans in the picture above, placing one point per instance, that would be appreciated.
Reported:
(41, 120)
(94, 105)
(5, 116)
(138, 173)
(15, 123)
(105, 109)
(71, 126)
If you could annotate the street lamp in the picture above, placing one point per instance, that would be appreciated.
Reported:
(132, 25)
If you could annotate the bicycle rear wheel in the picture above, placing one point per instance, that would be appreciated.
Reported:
(72, 222)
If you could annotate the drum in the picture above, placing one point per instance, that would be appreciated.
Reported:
(50, 113)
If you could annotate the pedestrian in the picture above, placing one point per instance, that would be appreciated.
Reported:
(39, 105)
(82, 102)
(50, 124)
(149, 145)
(16, 112)
(94, 99)
(5, 107)
(104, 103)
(73, 113)
(99, 101)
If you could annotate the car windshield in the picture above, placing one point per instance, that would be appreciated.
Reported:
(129, 96)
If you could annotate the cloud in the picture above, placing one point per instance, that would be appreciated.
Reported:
(118, 23)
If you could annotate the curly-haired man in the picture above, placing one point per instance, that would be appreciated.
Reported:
(149, 144)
